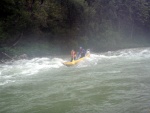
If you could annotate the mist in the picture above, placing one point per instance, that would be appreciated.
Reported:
(55, 27)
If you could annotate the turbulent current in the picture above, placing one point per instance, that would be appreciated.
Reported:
(110, 82)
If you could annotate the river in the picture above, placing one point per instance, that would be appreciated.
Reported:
(110, 82)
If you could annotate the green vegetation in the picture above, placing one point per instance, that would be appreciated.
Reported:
(44, 27)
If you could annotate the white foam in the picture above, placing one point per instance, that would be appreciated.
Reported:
(6, 82)
(23, 68)
(120, 55)
(126, 53)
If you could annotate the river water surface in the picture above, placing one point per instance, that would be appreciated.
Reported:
(111, 82)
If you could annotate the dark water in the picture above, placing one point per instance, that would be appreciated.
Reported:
(111, 82)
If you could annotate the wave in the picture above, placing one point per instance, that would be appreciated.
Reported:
(21, 68)
(10, 71)
(125, 53)
(115, 56)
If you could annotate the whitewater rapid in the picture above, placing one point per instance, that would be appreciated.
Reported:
(10, 71)
(108, 82)
(22, 68)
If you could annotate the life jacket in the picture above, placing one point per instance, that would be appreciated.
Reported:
(82, 51)
(73, 53)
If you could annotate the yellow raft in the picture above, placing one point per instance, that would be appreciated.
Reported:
(74, 62)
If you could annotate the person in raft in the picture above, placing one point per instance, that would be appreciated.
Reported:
(73, 55)
(81, 53)
(87, 52)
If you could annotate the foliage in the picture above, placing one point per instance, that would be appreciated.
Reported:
(98, 24)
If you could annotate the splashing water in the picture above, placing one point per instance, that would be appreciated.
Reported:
(110, 82)
(22, 68)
